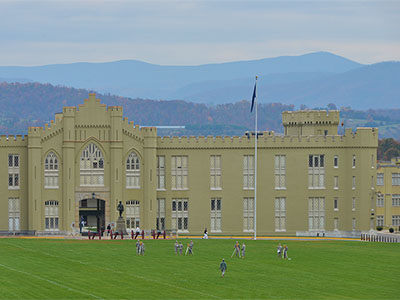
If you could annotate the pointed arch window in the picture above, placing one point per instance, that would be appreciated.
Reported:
(132, 171)
(92, 166)
(51, 171)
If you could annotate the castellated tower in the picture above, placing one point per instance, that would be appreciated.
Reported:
(310, 122)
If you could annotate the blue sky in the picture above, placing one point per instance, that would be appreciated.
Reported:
(195, 32)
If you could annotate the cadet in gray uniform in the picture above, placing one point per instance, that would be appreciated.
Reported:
(176, 248)
(243, 250)
(285, 250)
(180, 248)
(222, 267)
(190, 248)
(137, 247)
(279, 251)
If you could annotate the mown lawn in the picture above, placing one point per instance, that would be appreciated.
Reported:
(73, 269)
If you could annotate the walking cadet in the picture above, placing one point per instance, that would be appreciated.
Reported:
(243, 250)
(279, 250)
(180, 248)
(189, 248)
(176, 247)
(236, 250)
(285, 250)
(137, 247)
(222, 267)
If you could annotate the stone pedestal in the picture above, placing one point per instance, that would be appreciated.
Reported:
(121, 227)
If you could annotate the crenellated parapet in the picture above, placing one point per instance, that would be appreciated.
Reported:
(13, 140)
(363, 138)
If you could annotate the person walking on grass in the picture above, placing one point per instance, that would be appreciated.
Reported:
(180, 248)
(285, 252)
(243, 250)
(222, 267)
(236, 250)
(279, 250)
(176, 248)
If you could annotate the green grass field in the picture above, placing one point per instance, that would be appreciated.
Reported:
(58, 268)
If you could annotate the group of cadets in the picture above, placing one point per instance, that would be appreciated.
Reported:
(282, 251)
(236, 250)
(140, 248)
(178, 248)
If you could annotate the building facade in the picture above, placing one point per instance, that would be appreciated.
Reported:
(388, 194)
(310, 180)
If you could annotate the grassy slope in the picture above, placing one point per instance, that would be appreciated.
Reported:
(110, 269)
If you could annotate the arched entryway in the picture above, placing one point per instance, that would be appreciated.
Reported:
(92, 212)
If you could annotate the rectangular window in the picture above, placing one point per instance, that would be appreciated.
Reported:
(336, 224)
(395, 178)
(380, 221)
(13, 171)
(132, 214)
(13, 214)
(215, 172)
(248, 214)
(379, 179)
(316, 213)
(353, 204)
(280, 172)
(396, 200)
(160, 221)
(179, 172)
(216, 208)
(354, 224)
(380, 200)
(336, 161)
(353, 183)
(248, 172)
(161, 172)
(336, 182)
(316, 172)
(51, 215)
(336, 204)
(396, 220)
(180, 215)
(354, 161)
(280, 214)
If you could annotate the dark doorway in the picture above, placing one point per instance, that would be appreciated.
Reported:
(92, 212)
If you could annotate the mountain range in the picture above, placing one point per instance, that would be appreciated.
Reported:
(314, 79)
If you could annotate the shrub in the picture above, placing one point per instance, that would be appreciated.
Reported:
(391, 230)
(379, 228)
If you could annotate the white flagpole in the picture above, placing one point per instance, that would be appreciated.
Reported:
(255, 169)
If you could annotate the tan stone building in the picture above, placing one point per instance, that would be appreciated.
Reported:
(310, 180)
(388, 194)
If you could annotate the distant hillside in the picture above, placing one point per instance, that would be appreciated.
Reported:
(137, 79)
(34, 104)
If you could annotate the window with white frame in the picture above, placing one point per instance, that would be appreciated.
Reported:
(51, 215)
(336, 161)
(179, 172)
(354, 161)
(161, 172)
(92, 166)
(380, 200)
(380, 221)
(133, 171)
(248, 172)
(379, 178)
(216, 208)
(51, 171)
(316, 213)
(13, 171)
(354, 225)
(396, 220)
(180, 214)
(215, 172)
(316, 171)
(353, 203)
(248, 214)
(395, 178)
(336, 182)
(13, 214)
(353, 183)
(280, 214)
(280, 171)
(132, 214)
(336, 224)
(396, 200)
(160, 221)
(336, 204)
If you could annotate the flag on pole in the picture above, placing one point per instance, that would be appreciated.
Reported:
(254, 96)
